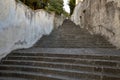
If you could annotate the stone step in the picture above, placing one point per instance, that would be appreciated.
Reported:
(70, 45)
(73, 31)
(66, 66)
(80, 41)
(33, 75)
(76, 43)
(12, 78)
(82, 45)
(53, 71)
(77, 39)
(76, 61)
(89, 56)
(70, 60)
(61, 72)
(67, 59)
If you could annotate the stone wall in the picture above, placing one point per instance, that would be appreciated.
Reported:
(21, 27)
(100, 17)
(75, 16)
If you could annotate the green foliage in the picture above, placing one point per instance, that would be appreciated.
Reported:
(35, 4)
(49, 5)
(55, 5)
(72, 6)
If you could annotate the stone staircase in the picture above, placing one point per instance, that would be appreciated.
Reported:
(69, 53)
(71, 36)
(82, 65)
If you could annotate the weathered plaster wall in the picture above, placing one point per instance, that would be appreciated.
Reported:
(21, 27)
(100, 17)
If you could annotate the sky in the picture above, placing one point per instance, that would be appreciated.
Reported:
(66, 7)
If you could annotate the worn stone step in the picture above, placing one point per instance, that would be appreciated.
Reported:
(66, 46)
(79, 61)
(83, 61)
(76, 44)
(12, 78)
(70, 46)
(77, 38)
(73, 67)
(32, 76)
(57, 59)
(60, 72)
(57, 65)
(64, 56)
(73, 42)
(54, 71)
(83, 45)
